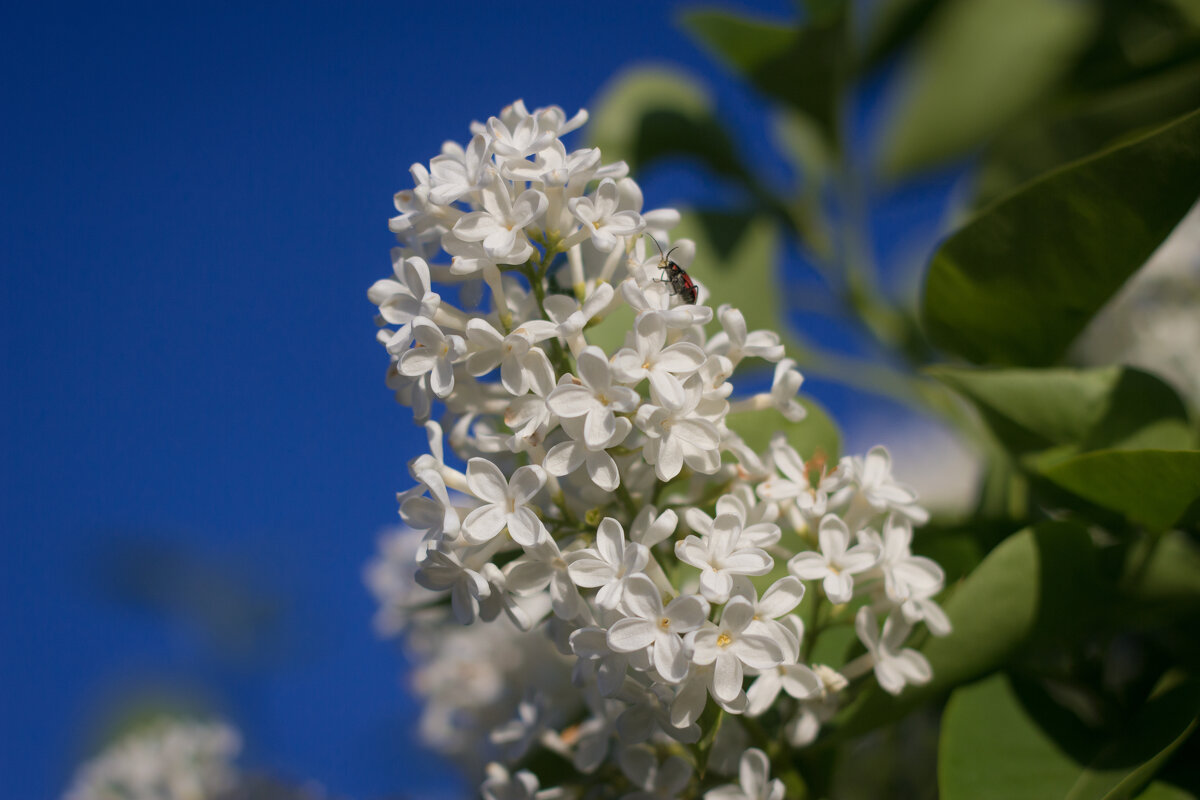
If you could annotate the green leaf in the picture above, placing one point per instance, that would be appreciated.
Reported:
(1041, 583)
(979, 64)
(990, 748)
(650, 114)
(1080, 126)
(1151, 487)
(1166, 583)
(816, 433)
(1001, 739)
(798, 65)
(1161, 790)
(1019, 282)
(1110, 407)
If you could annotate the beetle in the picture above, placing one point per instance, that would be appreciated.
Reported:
(681, 283)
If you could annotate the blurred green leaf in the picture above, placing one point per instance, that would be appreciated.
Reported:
(1019, 282)
(978, 65)
(1150, 487)
(990, 748)
(892, 26)
(736, 257)
(651, 114)
(1041, 583)
(994, 745)
(1084, 124)
(1160, 790)
(1164, 575)
(817, 432)
(1110, 407)
(798, 65)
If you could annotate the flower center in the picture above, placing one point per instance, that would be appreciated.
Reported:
(724, 640)
(664, 623)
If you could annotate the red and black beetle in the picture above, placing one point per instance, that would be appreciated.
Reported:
(681, 283)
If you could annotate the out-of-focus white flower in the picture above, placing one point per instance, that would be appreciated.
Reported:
(895, 665)
(168, 760)
(754, 780)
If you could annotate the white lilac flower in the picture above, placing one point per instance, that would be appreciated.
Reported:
(434, 354)
(905, 575)
(441, 569)
(459, 172)
(735, 343)
(516, 736)
(566, 457)
(665, 366)
(729, 647)
(595, 397)
(544, 565)
(167, 760)
(837, 563)
(545, 249)
(649, 712)
(609, 565)
(792, 677)
(676, 436)
(651, 627)
(501, 225)
(875, 490)
(523, 785)
(895, 665)
(720, 555)
(590, 643)
(505, 503)
(602, 220)
(780, 599)
(515, 353)
(404, 299)
(655, 781)
(754, 780)
(785, 387)
(650, 527)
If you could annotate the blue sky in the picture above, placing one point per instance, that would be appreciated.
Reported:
(195, 423)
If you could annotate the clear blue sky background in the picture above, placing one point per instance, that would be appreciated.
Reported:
(195, 199)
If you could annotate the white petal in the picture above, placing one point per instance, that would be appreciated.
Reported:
(630, 634)
(486, 481)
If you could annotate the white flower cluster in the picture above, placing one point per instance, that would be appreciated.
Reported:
(602, 501)
(177, 760)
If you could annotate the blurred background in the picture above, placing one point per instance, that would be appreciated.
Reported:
(199, 447)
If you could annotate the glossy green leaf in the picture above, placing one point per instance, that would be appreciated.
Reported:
(649, 114)
(796, 64)
(1109, 407)
(978, 65)
(1150, 487)
(816, 433)
(1017, 284)
(1001, 739)
(1040, 583)
(1080, 126)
